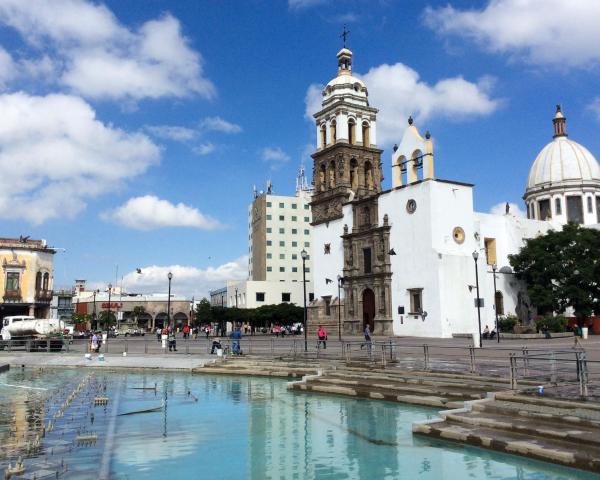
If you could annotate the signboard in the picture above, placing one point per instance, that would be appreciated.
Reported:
(115, 305)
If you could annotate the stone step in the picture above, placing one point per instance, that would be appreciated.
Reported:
(547, 428)
(546, 401)
(542, 448)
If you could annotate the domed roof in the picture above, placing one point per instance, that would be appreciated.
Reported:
(345, 83)
(562, 161)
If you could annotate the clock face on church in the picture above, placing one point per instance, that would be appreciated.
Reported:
(411, 206)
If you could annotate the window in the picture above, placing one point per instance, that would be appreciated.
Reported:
(306, 219)
(269, 243)
(416, 300)
(294, 231)
(282, 269)
(260, 296)
(282, 230)
(367, 259)
(294, 219)
(286, 297)
(557, 206)
(294, 256)
(307, 269)
(327, 301)
(294, 269)
(269, 255)
(306, 231)
(499, 301)
(327, 248)
(590, 205)
(269, 217)
(282, 243)
(281, 218)
(294, 206)
(12, 280)
(574, 209)
(307, 244)
(306, 207)
(268, 204)
(323, 136)
(294, 244)
(365, 134)
(281, 205)
(282, 256)
(311, 296)
(490, 250)
(545, 212)
(38, 281)
(269, 269)
(333, 132)
(351, 132)
(269, 230)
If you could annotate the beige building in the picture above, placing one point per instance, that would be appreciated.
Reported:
(27, 277)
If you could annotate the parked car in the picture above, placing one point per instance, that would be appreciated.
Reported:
(131, 332)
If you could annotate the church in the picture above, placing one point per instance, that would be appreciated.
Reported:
(415, 259)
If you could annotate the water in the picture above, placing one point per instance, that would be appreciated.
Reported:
(220, 427)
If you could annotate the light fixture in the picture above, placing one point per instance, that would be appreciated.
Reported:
(475, 255)
(328, 280)
(392, 251)
(304, 254)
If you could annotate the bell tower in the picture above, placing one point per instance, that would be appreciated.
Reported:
(347, 162)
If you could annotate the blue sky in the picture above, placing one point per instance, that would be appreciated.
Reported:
(133, 132)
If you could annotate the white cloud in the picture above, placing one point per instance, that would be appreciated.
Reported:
(187, 280)
(8, 69)
(399, 92)
(150, 213)
(514, 209)
(218, 124)
(172, 132)
(55, 154)
(275, 156)
(103, 59)
(594, 107)
(204, 149)
(552, 32)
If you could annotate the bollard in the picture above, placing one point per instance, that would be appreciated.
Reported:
(472, 358)
(513, 371)
(145, 344)
(525, 362)
(426, 356)
(553, 373)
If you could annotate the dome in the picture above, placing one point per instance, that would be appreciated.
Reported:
(563, 162)
(345, 84)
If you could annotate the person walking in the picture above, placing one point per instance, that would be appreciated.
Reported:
(158, 334)
(322, 334)
(172, 340)
(367, 333)
(186, 331)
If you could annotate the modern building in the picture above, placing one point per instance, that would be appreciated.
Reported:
(411, 260)
(27, 276)
(218, 297)
(61, 305)
(254, 294)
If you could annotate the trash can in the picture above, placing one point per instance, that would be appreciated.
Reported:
(584, 333)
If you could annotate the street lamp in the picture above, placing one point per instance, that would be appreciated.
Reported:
(304, 255)
(170, 277)
(494, 267)
(340, 280)
(108, 316)
(94, 314)
(478, 301)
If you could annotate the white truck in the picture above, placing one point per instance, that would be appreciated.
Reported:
(32, 333)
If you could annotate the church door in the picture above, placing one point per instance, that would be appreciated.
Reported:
(368, 301)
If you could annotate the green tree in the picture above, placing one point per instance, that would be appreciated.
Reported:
(138, 311)
(81, 319)
(107, 320)
(562, 269)
(204, 312)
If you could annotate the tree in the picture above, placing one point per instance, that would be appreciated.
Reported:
(561, 270)
(107, 320)
(204, 313)
(137, 312)
(81, 319)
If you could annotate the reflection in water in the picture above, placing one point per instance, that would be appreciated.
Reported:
(241, 428)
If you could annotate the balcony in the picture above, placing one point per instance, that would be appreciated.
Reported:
(12, 295)
(43, 296)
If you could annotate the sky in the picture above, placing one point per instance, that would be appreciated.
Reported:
(132, 133)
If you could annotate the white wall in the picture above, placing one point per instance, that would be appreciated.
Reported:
(247, 289)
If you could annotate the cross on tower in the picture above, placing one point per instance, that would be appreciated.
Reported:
(344, 35)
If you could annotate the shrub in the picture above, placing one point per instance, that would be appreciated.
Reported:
(507, 323)
(555, 324)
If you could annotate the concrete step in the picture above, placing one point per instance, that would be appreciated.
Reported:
(508, 441)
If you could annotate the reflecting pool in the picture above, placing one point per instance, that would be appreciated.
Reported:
(181, 426)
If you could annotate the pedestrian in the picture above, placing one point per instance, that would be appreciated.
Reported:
(158, 334)
(195, 333)
(322, 334)
(172, 340)
(186, 331)
(236, 335)
(367, 333)
(164, 335)
(207, 331)
(216, 345)
(94, 342)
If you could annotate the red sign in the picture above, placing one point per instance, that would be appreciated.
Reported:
(112, 305)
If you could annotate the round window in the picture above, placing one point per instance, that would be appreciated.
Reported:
(458, 234)
(411, 206)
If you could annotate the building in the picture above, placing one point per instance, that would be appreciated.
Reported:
(61, 305)
(411, 260)
(147, 311)
(27, 276)
(218, 297)
(254, 294)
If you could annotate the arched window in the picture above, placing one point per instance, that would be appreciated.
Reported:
(38, 281)
(557, 206)
(499, 301)
(322, 181)
(332, 175)
(368, 176)
(323, 136)
(366, 216)
(353, 174)
(46, 281)
(351, 131)
(333, 132)
(365, 134)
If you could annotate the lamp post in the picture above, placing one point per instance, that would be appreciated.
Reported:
(340, 280)
(170, 277)
(108, 316)
(94, 314)
(478, 301)
(494, 267)
(304, 255)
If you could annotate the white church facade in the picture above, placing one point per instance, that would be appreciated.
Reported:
(408, 261)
